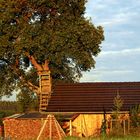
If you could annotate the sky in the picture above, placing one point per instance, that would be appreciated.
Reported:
(119, 60)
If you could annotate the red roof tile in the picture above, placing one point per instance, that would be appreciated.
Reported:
(93, 97)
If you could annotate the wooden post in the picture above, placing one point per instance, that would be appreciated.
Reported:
(50, 134)
(111, 125)
(70, 127)
(85, 126)
(81, 126)
(128, 125)
(124, 127)
(58, 131)
(42, 128)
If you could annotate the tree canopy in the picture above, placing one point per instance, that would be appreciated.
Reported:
(45, 32)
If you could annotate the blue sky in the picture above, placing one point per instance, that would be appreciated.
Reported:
(119, 59)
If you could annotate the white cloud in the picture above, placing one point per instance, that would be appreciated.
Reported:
(135, 51)
(99, 75)
(122, 33)
(118, 18)
(113, 71)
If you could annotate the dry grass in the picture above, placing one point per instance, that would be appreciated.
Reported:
(104, 138)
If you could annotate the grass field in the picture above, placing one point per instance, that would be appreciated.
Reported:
(105, 138)
(93, 138)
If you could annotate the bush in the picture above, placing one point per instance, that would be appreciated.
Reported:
(135, 131)
(5, 114)
(135, 115)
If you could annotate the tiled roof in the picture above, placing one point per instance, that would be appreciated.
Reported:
(38, 115)
(93, 97)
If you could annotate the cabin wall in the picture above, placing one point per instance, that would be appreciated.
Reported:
(90, 124)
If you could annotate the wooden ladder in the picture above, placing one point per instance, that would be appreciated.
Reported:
(45, 90)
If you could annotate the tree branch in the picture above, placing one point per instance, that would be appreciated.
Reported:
(29, 84)
(33, 87)
(34, 62)
(38, 67)
(15, 68)
(46, 65)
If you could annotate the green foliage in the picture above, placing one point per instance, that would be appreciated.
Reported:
(27, 101)
(5, 113)
(135, 131)
(48, 30)
(135, 115)
(117, 129)
(118, 103)
(7, 108)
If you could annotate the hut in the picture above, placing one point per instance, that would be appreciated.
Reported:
(81, 108)
(92, 103)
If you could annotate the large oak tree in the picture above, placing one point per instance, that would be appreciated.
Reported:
(45, 33)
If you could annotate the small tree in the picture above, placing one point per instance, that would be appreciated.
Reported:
(118, 103)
